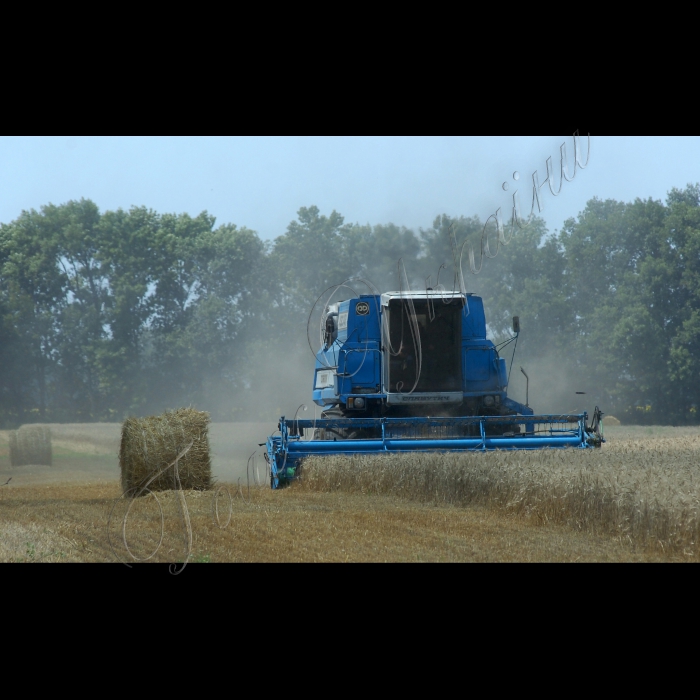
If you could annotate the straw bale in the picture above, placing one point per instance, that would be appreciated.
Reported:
(150, 444)
(31, 444)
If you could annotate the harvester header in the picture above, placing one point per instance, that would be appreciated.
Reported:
(402, 372)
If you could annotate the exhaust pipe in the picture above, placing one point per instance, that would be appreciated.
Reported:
(527, 387)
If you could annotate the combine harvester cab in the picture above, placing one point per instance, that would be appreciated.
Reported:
(414, 372)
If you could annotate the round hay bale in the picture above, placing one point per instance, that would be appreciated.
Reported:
(611, 420)
(149, 445)
(31, 444)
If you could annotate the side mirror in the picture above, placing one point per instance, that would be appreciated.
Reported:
(331, 331)
(516, 324)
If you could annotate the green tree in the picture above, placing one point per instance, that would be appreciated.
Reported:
(634, 283)
(131, 261)
(204, 304)
(33, 296)
(372, 254)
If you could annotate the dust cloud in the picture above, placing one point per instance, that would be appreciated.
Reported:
(553, 382)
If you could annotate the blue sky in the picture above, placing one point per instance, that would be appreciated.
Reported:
(261, 182)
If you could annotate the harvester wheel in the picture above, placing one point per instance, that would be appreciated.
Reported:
(332, 433)
(337, 434)
(500, 430)
(344, 433)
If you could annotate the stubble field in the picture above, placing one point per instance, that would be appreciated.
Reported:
(636, 499)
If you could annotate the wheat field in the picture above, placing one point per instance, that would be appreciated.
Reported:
(635, 499)
(643, 485)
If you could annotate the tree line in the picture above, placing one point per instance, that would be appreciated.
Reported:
(116, 313)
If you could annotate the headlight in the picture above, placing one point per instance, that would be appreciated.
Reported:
(359, 403)
(488, 401)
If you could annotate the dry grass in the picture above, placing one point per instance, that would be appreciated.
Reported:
(92, 438)
(70, 523)
(645, 491)
(84, 451)
(150, 444)
(528, 507)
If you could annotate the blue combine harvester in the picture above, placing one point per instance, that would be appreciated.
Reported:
(414, 372)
